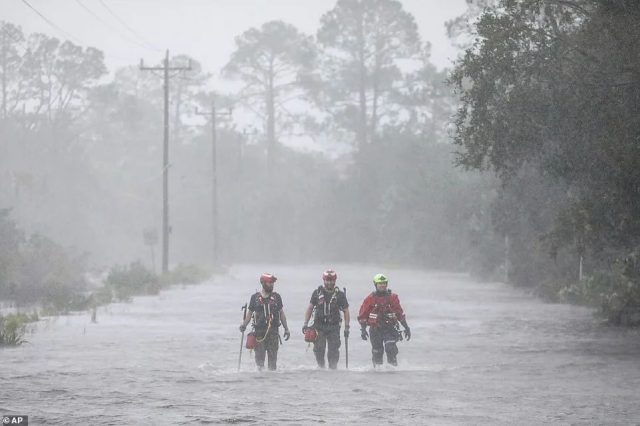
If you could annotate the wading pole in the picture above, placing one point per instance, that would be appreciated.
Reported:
(346, 339)
(244, 314)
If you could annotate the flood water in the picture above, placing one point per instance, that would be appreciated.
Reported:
(481, 353)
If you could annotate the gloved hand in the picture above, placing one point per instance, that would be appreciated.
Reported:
(364, 334)
(407, 333)
(286, 334)
(243, 328)
(305, 328)
(346, 332)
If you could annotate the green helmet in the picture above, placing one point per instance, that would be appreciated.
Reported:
(380, 279)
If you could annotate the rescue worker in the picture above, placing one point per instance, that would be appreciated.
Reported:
(327, 301)
(381, 311)
(266, 310)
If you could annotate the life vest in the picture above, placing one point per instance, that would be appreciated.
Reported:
(327, 311)
(381, 313)
(266, 312)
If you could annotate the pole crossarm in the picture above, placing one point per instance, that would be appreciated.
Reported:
(165, 67)
(143, 68)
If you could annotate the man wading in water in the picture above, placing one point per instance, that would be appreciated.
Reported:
(267, 312)
(381, 311)
(328, 301)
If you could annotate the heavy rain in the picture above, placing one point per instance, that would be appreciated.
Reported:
(319, 211)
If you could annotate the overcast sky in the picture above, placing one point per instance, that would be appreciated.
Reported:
(127, 30)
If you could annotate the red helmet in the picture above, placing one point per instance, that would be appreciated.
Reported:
(329, 275)
(267, 278)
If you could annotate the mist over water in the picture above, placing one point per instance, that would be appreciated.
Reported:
(480, 354)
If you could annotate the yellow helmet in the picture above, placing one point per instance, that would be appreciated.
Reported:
(380, 279)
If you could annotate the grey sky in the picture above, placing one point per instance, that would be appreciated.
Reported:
(203, 29)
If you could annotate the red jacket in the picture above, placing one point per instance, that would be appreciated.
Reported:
(378, 310)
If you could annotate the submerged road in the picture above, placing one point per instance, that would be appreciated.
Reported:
(481, 353)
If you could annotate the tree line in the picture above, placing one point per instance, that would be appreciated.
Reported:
(82, 151)
(550, 94)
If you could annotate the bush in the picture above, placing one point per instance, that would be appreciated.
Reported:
(612, 291)
(13, 328)
(123, 282)
(132, 280)
(49, 274)
(11, 239)
(102, 296)
(37, 270)
(185, 274)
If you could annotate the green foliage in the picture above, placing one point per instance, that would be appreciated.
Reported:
(99, 169)
(362, 43)
(271, 61)
(10, 241)
(550, 103)
(184, 274)
(51, 276)
(124, 282)
(403, 203)
(13, 328)
(132, 280)
(103, 295)
(616, 296)
(37, 270)
(59, 75)
(395, 199)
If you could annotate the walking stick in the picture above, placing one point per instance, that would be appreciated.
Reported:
(346, 340)
(244, 314)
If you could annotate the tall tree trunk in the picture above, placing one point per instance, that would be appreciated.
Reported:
(362, 121)
(374, 107)
(268, 235)
(4, 73)
(271, 125)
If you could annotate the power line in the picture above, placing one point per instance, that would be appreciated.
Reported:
(68, 35)
(111, 27)
(131, 30)
(52, 24)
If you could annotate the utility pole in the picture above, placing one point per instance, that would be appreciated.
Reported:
(165, 158)
(214, 178)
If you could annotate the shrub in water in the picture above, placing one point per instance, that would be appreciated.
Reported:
(185, 274)
(13, 328)
(132, 280)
